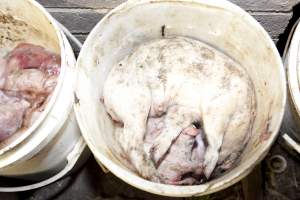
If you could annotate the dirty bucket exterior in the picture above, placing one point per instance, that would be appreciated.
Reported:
(43, 151)
(218, 23)
(291, 122)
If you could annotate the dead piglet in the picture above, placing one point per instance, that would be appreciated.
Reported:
(160, 78)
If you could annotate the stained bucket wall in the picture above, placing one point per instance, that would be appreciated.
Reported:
(218, 23)
(291, 123)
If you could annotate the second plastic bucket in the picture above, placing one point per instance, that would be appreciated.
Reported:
(51, 147)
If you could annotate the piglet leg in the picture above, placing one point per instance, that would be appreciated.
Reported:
(217, 114)
(133, 112)
(132, 142)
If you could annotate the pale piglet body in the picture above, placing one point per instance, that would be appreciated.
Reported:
(185, 81)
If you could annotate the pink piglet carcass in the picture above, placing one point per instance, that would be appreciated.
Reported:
(28, 75)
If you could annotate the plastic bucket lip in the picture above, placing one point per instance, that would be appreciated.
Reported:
(292, 64)
(293, 69)
(72, 161)
(182, 191)
(24, 135)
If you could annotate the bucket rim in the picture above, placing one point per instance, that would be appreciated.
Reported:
(293, 68)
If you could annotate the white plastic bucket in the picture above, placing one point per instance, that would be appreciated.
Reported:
(51, 147)
(216, 22)
(291, 122)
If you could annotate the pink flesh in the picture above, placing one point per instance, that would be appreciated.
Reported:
(28, 74)
(191, 131)
(28, 56)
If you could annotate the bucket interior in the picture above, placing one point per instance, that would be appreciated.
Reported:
(217, 23)
(25, 21)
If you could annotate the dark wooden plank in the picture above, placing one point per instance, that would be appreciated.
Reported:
(274, 23)
(83, 20)
(267, 5)
(77, 21)
(254, 5)
(81, 3)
